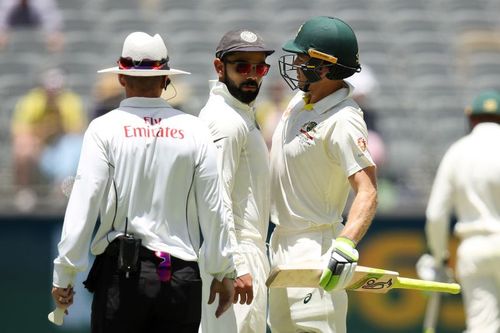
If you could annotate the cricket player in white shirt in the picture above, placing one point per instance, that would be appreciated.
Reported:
(151, 173)
(243, 163)
(468, 183)
(319, 151)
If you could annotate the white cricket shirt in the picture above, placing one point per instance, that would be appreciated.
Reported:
(156, 166)
(468, 182)
(312, 155)
(243, 162)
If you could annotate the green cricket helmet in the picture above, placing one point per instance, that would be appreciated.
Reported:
(486, 103)
(329, 42)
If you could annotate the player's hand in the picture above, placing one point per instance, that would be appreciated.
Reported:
(428, 268)
(63, 297)
(340, 269)
(243, 288)
(225, 289)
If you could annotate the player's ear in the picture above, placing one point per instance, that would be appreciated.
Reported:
(166, 82)
(219, 67)
(329, 72)
(121, 79)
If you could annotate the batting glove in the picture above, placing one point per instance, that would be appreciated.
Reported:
(428, 268)
(340, 269)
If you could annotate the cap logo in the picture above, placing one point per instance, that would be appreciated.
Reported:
(490, 105)
(248, 36)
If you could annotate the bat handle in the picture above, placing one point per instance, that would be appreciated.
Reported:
(407, 283)
(57, 316)
(432, 313)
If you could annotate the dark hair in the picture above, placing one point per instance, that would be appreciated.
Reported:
(484, 118)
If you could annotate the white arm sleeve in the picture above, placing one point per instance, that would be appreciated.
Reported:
(82, 210)
(437, 227)
(228, 158)
(215, 219)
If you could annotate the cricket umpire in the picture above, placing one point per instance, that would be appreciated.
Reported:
(468, 183)
(151, 172)
(319, 152)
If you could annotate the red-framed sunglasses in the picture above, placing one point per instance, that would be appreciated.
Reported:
(128, 63)
(245, 68)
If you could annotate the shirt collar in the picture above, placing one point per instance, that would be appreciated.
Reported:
(486, 126)
(326, 103)
(144, 102)
(220, 89)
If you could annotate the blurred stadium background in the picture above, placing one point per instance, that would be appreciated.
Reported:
(429, 56)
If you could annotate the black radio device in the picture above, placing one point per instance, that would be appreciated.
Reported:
(128, 256)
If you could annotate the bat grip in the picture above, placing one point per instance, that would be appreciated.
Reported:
(57, 316)
(407, 283)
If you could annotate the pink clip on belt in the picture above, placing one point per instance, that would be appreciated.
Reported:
(164, 269)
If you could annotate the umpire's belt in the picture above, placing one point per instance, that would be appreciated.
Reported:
(144, 253)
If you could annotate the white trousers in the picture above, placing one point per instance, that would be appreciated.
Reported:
(305, 309)
(240, 318)
(478, 270)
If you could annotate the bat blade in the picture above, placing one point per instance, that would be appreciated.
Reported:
(300, 275)
(57, 316)
(366, 279)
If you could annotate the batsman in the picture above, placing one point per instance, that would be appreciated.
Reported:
(319, 152)
(467, 184)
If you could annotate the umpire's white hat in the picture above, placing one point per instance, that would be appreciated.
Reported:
(143, 55)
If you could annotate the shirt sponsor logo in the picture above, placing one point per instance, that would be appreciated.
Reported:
(152, 132)
(151, 120)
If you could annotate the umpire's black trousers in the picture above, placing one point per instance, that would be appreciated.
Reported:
(142, 303)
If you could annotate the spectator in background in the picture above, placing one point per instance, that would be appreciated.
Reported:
(467, 183)
(108, 94)
(47, 128)
(32, 14)
(268, 112)
(365, 87)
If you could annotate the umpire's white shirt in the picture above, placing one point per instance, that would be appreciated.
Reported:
(467, 181)
(315, 149)
(156, 166)
(243, 161)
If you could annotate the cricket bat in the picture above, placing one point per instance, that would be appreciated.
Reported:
(432, 313)
(431, 317)
(57, 316)
(368, 279)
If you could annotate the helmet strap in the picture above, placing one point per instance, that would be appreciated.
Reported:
(305, 88)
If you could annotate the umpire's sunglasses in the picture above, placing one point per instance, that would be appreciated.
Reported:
(129, 63)
(245, 68)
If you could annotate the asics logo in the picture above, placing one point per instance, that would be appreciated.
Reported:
(308, 298)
